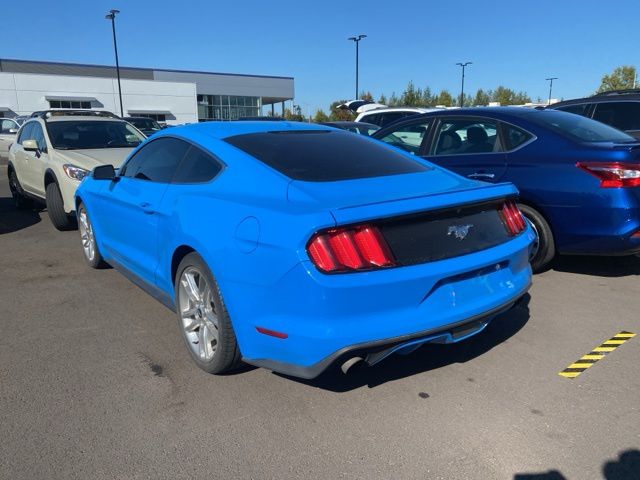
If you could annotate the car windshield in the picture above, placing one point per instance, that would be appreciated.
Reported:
(580, 128)
(325, 155)
(75, 135)
(144, 123)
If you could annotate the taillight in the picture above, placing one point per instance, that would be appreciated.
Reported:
(513, 219)
(613, 174)
(350, 249)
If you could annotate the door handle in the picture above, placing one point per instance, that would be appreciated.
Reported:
(479, 175)
(147, 208)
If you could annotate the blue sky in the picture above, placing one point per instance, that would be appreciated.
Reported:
(514, 43)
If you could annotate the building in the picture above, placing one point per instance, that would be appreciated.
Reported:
(171, 96)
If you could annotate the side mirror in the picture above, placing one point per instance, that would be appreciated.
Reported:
(104, 172)
(13, 130)
(30, 145)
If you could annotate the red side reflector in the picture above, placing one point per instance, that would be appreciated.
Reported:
(272, 333)
(636, 235)
(613, 174)
(346, 249)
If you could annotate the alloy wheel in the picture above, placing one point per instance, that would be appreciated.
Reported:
(198, 314)
(86, 234)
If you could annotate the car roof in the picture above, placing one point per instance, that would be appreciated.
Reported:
(346, 123)
(221, 130)
(63, 118)
(398, 109)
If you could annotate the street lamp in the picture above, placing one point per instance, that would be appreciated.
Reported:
(356, 40)
(463, 65)
(112, 16)
(550, 80)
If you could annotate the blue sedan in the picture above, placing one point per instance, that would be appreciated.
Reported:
(296, 247)
(578, 179)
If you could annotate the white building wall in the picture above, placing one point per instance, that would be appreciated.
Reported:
(25, 93)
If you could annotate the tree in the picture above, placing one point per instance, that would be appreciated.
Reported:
(320, 116)
(339, 114)
(444, 98)
(411, 97)
(621, 78)
(481, 98)
(382, 99)
(427, 98)
(295, 116)
(393, 100)
(366, 96)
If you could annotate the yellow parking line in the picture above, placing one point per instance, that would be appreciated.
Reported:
(598, 353)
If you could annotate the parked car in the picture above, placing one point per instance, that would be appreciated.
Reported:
(8, 130)
(20, 119)
(148, 126)
(54, 152)
(379, 114)
(292, 246)
(618, 108)
(578, 178)
(354, 127)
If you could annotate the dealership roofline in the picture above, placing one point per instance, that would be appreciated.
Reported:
(67, 64)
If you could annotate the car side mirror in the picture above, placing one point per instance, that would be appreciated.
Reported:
(13, 130)
(104, 172)
(30, 145)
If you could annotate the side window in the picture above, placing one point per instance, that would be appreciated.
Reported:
(408, 137)
(374, 118)
(580, 109)
(25, 132)
(514, 136)
(196, 167)
(466, 136)
(157, 161)
(387, 118)
(621, 115)
(38, 135)
(6, 126)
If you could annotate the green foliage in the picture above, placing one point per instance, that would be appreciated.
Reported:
(621, 78)
(506, 96)
(382, 99)
(295, 115)
(366, 96)
(337, 114)
(482, 98)
(444, 98)
(320, 116)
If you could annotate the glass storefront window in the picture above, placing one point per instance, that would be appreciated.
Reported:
(227, 107)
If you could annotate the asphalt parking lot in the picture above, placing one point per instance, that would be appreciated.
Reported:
(95, 382)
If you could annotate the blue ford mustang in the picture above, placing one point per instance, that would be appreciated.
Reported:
(579, 180)
(295, 247)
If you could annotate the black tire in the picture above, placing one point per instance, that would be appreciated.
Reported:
(90, 249)
(545, 252)
(20, 200)
(55, 209)
(227, 352)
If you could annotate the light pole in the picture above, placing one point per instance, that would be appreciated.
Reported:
(112, 16)
(550, 80)
(356, 40)
(463, 65)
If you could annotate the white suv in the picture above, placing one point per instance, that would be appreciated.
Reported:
(56, 149)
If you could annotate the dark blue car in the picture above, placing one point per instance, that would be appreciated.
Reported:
(295, 246)
(579, 180)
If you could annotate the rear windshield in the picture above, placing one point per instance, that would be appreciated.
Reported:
(580, 128)
(72, 135)
(324, 156)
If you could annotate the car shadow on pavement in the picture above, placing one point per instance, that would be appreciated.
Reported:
(627, 467)
(428, 357)
(13, 219)
(599, 266)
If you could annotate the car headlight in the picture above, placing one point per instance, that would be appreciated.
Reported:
(74, 172)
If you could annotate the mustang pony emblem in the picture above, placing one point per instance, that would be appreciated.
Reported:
(459, 231)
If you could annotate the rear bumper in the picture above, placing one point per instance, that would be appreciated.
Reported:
(327, 316)
(376, 351)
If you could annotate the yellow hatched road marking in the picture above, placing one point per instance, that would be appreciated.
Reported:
(598, 353)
